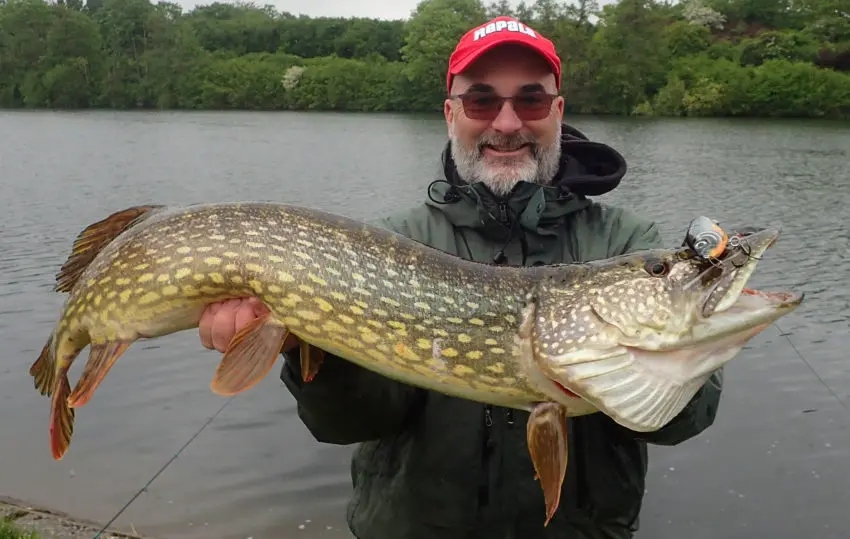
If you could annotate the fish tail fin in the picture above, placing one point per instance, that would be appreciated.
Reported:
(61, 417)
(250, 355)
(93, 239)
(43, 370)
(102, 357)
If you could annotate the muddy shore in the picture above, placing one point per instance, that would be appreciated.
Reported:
(50, 524)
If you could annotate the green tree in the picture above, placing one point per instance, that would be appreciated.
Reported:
(632, 55)
(24, 25)
(769, 13)
(72, 66)
(694, 58)
(431, 35)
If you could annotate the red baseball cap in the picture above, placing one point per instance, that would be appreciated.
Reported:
(500, 31)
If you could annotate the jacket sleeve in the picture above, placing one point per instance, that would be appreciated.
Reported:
(699, 413)
(346, 403)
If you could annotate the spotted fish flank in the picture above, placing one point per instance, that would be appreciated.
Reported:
(632, 337)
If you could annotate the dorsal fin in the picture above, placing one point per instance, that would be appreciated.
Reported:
(93, 239)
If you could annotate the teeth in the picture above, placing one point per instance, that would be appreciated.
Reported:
(503, 149)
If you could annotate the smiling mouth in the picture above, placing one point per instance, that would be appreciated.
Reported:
(506, 149)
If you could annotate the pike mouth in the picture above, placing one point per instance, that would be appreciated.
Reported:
(749, 313)
(732, 271)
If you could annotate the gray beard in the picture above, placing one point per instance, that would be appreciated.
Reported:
(501, 178)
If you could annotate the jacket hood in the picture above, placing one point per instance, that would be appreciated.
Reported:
(586, 169)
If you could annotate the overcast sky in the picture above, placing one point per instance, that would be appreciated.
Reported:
(382, 9)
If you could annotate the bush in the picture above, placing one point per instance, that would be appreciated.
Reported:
(699, 86)
(346, 84)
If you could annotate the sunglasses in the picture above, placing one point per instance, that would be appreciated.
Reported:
(528, 107)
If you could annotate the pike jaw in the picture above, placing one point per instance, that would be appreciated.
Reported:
(638, 335)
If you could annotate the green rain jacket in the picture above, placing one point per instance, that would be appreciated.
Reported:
(430, 466)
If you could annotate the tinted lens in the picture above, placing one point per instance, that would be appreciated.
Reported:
(481, 106)
(486, 106)
(532, 106)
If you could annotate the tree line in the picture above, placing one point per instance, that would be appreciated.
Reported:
(634, 57)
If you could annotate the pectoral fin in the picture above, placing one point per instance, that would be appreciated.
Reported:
(546, 433)
(250, 355)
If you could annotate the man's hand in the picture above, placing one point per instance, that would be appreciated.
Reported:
(221, 321)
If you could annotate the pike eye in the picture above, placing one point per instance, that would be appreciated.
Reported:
(657, 269)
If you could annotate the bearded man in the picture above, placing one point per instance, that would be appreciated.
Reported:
(515, 192)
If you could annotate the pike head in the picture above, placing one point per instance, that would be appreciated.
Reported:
(639, 334)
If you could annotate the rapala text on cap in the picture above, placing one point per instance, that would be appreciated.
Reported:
(501, 26)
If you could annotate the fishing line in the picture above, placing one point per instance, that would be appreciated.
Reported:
(809, 365)
(157, 474)
(699, 229)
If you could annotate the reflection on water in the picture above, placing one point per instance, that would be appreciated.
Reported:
(775, 463)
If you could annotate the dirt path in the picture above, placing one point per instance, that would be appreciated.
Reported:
(53, 524)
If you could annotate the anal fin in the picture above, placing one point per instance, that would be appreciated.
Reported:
(311, 361)
(250, 355)
(546, 433)
(102, 357)
(61, 417)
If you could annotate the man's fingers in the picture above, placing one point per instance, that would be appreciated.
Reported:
(221, 320)
(223, 327)
(244, 313)
(257, 306)
(205, 325)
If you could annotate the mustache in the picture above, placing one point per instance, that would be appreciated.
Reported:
(507, 141)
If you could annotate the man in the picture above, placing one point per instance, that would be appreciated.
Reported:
(515, 187)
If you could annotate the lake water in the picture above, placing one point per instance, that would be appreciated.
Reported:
(775, 464)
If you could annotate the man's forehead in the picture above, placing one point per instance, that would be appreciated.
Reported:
(504, 81)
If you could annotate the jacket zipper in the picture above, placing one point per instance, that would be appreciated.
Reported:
(484, 486)
(503, 212)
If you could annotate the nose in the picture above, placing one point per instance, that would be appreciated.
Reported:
(507, 121)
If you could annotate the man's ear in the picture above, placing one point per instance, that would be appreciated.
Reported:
(448, 112)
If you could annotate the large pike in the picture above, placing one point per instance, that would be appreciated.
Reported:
(633, 337)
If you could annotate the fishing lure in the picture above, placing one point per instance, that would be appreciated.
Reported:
(706, 238)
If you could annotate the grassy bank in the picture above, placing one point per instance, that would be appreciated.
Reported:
(20, 520)
(10, 531)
